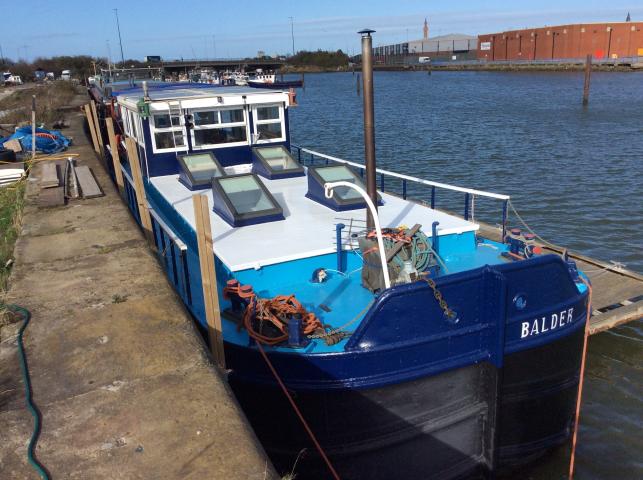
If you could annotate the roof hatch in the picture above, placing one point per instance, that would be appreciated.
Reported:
(244, 200)
(198, 170)
(275, 162)
(343, 198)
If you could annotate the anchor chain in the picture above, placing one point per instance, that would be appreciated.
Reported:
(450, 314)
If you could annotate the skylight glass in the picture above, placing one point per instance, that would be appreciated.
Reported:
(341, 173)
(244, 200)
(198, 169)
(275, 162)
(245, 194)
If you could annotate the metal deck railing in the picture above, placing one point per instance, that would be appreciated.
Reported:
(469, 193)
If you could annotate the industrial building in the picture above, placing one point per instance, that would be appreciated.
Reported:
(462, 46)
(564, 42)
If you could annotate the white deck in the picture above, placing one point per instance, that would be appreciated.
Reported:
(307, 231)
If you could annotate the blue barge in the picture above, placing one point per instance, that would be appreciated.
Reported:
(462, 359)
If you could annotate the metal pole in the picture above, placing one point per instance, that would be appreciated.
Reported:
(109, 60)
(33, 127)
(369, 120)
(120, 41)
(292, 35)
(588, 74)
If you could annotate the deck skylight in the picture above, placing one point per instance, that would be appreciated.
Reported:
(275, 163)
(343, 198)
(198, 170)
(244, 200)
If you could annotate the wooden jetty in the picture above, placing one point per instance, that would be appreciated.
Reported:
(617, 293)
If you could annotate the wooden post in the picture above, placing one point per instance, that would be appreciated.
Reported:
(141, 199)
(116, 159)
(208, 277)
(92, 130)
(33, 127)
(357, 84)
(99, 135)
(588, 74)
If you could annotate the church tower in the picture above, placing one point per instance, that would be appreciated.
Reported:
(426, 29)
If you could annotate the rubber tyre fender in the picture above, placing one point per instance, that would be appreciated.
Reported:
(7, 155)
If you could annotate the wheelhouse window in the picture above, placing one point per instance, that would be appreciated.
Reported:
(268, 123)
(218, 128)
(167, 132)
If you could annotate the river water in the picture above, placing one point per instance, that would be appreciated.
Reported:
(574, 175)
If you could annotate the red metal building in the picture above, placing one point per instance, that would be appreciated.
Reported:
(602, 40)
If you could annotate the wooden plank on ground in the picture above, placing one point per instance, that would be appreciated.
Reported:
(141, 198)
(88, 186)
(92, 129)
(116, 159)
(51, 197)
(49, 176)
(208, 277)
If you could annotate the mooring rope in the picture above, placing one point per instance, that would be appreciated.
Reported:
(297, 411)
(579, 396)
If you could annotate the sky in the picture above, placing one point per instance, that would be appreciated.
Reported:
(241, 28)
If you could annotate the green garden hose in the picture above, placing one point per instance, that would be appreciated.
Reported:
(26, 316)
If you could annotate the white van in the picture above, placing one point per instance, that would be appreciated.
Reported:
(65, 75)
(424, 59)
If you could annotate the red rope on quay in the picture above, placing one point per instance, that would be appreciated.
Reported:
(580, 381)
(294, 406)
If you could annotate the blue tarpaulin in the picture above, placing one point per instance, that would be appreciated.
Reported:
(47, 141)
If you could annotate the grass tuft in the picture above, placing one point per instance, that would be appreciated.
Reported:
(11, 203)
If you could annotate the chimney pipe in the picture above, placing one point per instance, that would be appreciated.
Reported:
(369, 121)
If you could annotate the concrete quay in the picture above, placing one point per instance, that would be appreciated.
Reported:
(124, 383)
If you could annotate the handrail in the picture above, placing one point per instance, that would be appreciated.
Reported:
(328, 193)
(408, 177)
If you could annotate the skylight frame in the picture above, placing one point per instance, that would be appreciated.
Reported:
(187, 178)
(225, 208)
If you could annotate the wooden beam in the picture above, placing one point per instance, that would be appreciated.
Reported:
(141, 199)
(116, 158)
(88, 185)
(99, 136)
(209, 277)
(92, 130)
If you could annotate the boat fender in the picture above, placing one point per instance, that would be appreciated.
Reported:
(319, 275)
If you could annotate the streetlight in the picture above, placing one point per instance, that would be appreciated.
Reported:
(292, 35)
(120, 41)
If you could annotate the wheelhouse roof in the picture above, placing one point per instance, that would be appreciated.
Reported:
(207, 92)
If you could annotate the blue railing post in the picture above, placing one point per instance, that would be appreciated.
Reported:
(381, 182)
(432, 197)
(338, 233)
(299, 154)
(404, 189)
(434, 236)
(504, 220)
(466, 205)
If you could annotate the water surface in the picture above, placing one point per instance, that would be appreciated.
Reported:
(574, 174)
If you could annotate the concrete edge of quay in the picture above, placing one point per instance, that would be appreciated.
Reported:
(119, 372)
